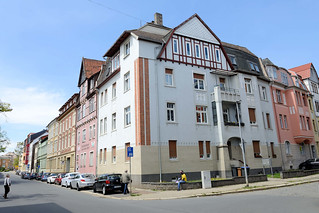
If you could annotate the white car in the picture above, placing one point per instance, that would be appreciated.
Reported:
(81, 181)
(51, 178)
(68, 178)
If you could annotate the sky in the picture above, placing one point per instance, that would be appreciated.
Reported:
(42, 43)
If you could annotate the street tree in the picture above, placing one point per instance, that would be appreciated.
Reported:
(5, 107)
(4, 141)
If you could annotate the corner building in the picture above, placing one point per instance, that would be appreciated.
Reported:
(160, 93)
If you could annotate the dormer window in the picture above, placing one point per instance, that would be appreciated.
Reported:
(284, 78)
(232, 59)
(253, 66)
(127, 49)
(116, 62)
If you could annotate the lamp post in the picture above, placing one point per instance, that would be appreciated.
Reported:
(242, 143)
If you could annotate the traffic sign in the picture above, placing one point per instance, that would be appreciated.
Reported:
(129, 152)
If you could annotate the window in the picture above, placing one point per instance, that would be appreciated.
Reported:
(304, 99)
(114, 90)
(272, 72)
(201, 114)
(298, 98)
(81, 161)
(127, 116)
(105, 126)
(253, 66)
(172, 149)
(90, 133)
(281, 122)
(113, 154)
(101, 156)
(84, 135)
(308, 123)
(272, 150)
(206, 53)
(105, 151)
(217, 53)
(317, 106)
(116, 62)
(310, 105)
(226, 115)
(188, 49)
(79, 114)
(199, 81)
(91, 83)
(232, 59)
(252, 115)
(263, 93)
(171, 112)
(93, 130)
(284, 78)
(197, 50)
(79, 137)
(83, 111)
(314, 125)
(91, 159)
(91, 105)
(101, 99)
(314, 87)
(127, 82)
(201, 149)
(208, 149)
(248, 87)
(84, 159)
(278, 94)
(302, 149)
(256, 149)
(169, 77)
(222, 83)
(105, 97)
(127, 49)
(127, 159)
(268, 120)
(175, 46)
(83, 89)
(101, 127)
(113, 121)
(285, 122)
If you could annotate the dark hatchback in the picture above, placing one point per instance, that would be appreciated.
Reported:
(310, 164)
(108, 183)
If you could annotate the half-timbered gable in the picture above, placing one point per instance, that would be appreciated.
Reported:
(194, 43)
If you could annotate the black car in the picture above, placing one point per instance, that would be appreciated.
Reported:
(38, 177)
(310, 164)
(32, 176)
(108, 183)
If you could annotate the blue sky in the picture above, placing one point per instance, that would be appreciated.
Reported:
(42, 43)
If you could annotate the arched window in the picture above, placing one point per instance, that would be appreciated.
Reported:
(287, 144)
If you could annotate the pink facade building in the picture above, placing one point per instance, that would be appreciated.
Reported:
(292, 114)
(86, 125)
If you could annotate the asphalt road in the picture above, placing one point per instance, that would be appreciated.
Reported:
(34, 196)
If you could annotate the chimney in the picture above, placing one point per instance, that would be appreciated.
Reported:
(158, 19)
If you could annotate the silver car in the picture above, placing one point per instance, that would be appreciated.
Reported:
(66, 181)
(81, 181)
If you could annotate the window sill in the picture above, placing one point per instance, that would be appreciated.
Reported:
(203, 124)
(114, 130)
(127, 126)
(126, 56)
(173, 160)
(254, 124)
(170, 86)
(126, 91)
(171, 122)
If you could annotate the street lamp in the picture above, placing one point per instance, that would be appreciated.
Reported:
(242, 143)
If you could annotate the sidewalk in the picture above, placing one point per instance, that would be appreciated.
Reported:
(144, 194)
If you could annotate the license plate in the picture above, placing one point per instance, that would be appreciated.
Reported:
(117, 187)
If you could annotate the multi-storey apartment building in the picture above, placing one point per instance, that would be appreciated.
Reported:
(163, 92)
(293, 118)
(86, 121)
(52, 144)
(42, 154)
(310, 78)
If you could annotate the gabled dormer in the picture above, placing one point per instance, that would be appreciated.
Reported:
(194, 43)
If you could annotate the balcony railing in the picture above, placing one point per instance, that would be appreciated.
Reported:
(225, 94)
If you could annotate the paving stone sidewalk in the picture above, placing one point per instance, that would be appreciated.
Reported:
(144, 194)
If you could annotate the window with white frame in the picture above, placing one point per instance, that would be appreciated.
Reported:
(84, 135)
(206, 53)
(113, 121)
(90, 133)
(93, 130)
(252, 115)
(285, 122)
(169, 77)
(197, 51)
(278, 94)
(101, 127)
(314, 87)
(284, 78)
(127, 81)
(105, 125)
(127, 116)
(79, 113)
(91, 159)
(105, 97)
(91, 83)
(217, 54)
(101, 99)
(84, 159)
(199, 81)
(263, 93)
(188, 49)
(287, 145)
(171, 112)
(232, 59)
(83, 111)
(253, 66)
(91, 105)
(281, 122)
(175, 45)
(79, 137)
(127, 48)
(248, 85)
(116, 62)
(114, 90)
(201, 114)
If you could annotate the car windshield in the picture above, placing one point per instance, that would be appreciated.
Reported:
(53, 174)
(90, 176)
(114, 176)
(63, 175)
(72, 175)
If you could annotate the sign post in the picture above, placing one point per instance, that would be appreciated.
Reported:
(130, 155)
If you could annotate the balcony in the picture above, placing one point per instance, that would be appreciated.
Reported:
(225, 94)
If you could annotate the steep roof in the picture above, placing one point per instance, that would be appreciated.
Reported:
(244, 49)
(89, 67)
(303, 70)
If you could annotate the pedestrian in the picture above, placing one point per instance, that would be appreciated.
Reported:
(125, 180)
(7, 184)
(181, 180)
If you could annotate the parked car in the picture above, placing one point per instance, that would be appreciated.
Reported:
(68, 178)
(22, 174)
(108, 183)
(39, 175)
(32, 176)
(25, 175)
(310, 164)
(45, 176)
(81, 181)
(59, 178)
(52, 178)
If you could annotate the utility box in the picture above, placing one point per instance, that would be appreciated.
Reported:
(206, 181)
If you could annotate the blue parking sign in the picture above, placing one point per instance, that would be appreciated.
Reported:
(129, 152)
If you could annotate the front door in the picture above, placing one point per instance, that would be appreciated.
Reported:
(67, 169)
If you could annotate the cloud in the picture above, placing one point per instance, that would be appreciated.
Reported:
(31, 105)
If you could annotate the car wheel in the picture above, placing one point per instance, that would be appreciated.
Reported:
(94, 188)
(71, 186)
(104, 190)
(303, 168)
(77, 187)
